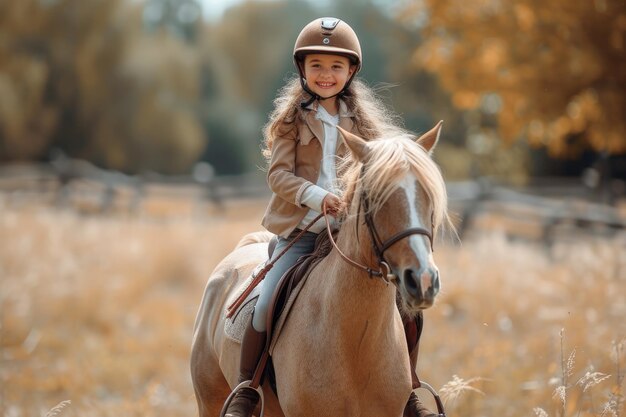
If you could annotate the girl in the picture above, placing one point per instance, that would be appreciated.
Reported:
(303, 147)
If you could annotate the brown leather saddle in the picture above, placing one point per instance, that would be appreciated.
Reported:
(285, 288)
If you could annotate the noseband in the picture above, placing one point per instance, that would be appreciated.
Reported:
(379, 246)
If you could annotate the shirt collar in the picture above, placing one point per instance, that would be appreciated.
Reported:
(343, 108)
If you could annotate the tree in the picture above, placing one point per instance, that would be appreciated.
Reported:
(27, 117)
(551, 72)
(83, 76)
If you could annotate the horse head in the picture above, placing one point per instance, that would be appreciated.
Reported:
(397, 190)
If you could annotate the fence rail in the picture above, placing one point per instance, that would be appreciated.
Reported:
(543, 206)
(539, 209)
(70, 180)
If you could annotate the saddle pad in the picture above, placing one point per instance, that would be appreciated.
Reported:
(235, 326)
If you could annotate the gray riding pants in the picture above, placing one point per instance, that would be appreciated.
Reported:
(302, 246)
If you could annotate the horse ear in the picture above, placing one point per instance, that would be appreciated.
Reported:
(357, 145)
(429, 139)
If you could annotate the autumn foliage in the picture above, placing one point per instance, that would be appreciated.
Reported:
(554, 72)
(150, 86)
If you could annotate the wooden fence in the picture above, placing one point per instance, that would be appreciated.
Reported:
(537, 211)
(75, 183)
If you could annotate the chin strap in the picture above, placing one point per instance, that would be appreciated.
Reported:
(306, 103)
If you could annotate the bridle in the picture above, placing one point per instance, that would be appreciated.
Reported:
(380, 247)
(384, 270)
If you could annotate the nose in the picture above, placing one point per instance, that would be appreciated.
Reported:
(422, 283)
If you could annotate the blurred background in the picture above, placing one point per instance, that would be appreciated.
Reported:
(130, 164)
(158, 85)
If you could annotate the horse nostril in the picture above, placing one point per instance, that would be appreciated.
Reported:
(435, 282)
(410, 281)
(422, 283)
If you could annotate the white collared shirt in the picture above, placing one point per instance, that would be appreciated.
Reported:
(314, 195)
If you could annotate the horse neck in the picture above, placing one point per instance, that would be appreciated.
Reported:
(356, 300)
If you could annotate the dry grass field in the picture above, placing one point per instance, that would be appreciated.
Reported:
(96, 314)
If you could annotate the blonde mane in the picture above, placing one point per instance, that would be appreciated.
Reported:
(390, 160)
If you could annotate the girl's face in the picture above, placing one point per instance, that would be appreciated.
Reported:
(326, 75)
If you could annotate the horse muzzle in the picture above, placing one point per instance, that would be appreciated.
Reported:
(420, 286)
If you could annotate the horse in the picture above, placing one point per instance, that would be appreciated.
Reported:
(342, 351)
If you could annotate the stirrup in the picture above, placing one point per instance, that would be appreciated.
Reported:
(247, 385)
(440, 411)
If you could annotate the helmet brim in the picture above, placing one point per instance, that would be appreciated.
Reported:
(328, 50)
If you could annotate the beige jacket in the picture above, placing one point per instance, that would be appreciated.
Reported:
(295, 165)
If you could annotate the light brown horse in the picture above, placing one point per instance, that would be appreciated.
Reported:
(343, 351)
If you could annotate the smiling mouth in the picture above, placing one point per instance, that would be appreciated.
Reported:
(325, 85)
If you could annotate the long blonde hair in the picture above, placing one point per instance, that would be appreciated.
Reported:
(372, 118)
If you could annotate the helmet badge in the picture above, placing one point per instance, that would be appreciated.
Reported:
(329, 23)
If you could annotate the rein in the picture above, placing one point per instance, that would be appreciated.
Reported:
(372, 273)
(230, 310)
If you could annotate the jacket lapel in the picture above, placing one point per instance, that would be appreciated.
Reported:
(315, 125)
(317, 128)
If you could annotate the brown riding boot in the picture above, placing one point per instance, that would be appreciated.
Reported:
(413, 331)
(415, 408)
(245, 401)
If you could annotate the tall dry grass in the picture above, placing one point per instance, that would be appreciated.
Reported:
(96, 315)
(511, 313)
